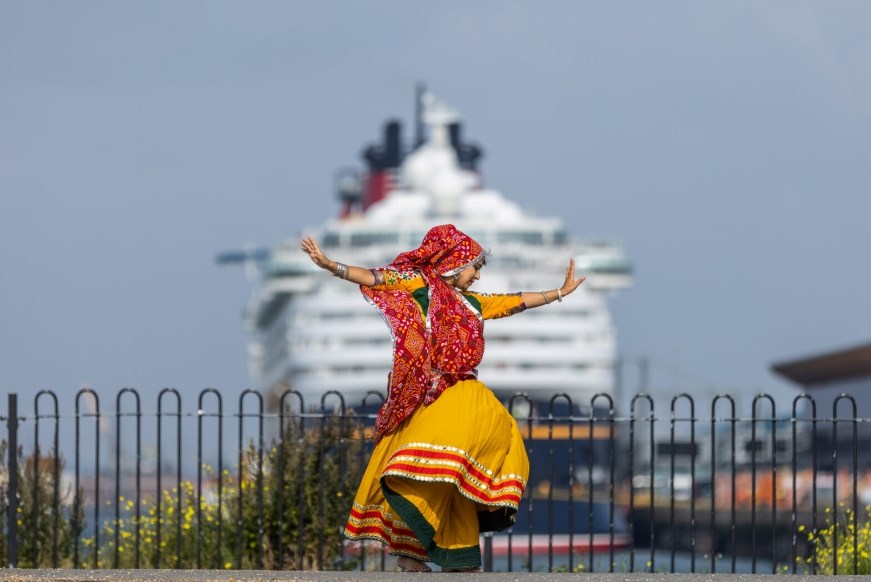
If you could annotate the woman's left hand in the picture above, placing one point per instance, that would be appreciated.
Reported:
(571, 283)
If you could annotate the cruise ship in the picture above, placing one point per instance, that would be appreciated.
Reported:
(314, 333)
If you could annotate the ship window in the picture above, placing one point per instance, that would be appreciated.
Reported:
(332, 315)
(365, 239)
(331, 239)
(366, 341)
(529, 237)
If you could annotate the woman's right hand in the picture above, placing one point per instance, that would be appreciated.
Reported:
(311, 248)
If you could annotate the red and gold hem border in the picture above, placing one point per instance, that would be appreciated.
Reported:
(427, 462)
(374, 523)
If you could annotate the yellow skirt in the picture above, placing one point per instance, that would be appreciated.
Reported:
(455, 468)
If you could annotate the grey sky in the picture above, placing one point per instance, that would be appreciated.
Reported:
(725, 143)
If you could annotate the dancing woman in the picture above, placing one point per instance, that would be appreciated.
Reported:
(449, 461)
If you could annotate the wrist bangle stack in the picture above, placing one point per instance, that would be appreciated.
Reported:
(341, 271)
(546, 300)
(559, 295)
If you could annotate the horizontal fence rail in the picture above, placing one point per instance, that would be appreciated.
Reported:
(267, 481)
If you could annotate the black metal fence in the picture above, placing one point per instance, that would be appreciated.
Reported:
(269, 484)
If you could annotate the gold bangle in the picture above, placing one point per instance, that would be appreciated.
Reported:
(546, 300)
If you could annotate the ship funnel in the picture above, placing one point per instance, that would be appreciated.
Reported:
(392, 145)
(455, 130)
(467, 154)
(388, 155)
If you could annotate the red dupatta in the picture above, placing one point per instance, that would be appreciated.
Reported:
(433, 352)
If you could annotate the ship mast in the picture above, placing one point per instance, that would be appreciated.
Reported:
(420, 91)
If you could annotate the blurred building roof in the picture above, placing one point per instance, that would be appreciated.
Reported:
(825, 368)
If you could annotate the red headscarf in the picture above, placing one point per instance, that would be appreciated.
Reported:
(429, 355)
(445, 251)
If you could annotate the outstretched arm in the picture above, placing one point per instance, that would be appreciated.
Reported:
(539, 298)
(358, 275)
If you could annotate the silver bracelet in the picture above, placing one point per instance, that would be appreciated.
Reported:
(546, 300)
(341, 271)
(559, 295)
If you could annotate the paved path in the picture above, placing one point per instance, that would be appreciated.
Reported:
(269, 576)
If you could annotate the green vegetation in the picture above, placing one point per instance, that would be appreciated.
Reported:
(45, 528)
(289, 515)
(843, 543)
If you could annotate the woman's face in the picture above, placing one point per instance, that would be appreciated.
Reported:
(467, 276)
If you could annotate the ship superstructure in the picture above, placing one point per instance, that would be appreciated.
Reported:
(313, 333)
